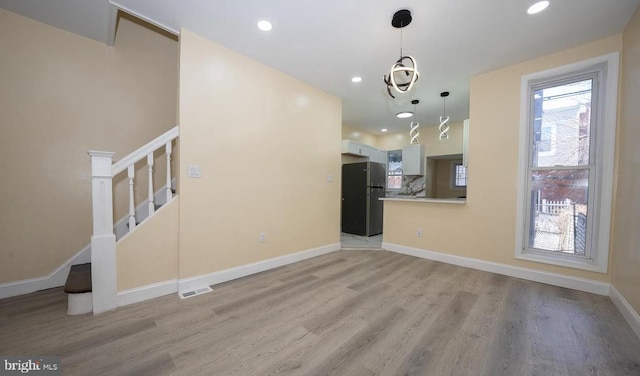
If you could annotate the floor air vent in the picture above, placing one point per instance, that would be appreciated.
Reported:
(191, 294)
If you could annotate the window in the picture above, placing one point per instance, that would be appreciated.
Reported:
(394, 174)
(567, 138)
(458, 175)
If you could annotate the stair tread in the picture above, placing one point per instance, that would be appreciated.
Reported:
(79, 279)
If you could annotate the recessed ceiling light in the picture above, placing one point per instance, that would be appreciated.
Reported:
(538, 7)
(264, 25)
(383, 130)
(404, 114)
(356, 79)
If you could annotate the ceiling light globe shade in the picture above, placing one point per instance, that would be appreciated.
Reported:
(356, 79)
(265, 25)
(538, 7)
(404, 114)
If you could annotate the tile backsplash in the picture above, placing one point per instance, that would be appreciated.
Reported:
(412, 185)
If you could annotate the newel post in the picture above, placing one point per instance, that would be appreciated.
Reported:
(103, 240)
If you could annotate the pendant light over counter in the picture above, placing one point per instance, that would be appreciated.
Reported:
(413, 133)
(404, 72)
(444, 119)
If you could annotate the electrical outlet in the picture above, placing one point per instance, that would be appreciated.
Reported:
(419, 232)
(263, 237)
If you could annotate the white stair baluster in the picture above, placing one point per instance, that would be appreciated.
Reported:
(169, 191)
(152, 207)
(131, 172)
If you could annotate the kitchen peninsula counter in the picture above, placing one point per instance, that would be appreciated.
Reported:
(425, 199)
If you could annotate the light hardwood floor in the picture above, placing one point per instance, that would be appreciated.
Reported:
(356, 312)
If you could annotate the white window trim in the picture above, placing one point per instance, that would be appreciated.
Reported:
(453, 176)
(605, 165)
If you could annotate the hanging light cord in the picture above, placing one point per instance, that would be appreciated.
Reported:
(401, 26)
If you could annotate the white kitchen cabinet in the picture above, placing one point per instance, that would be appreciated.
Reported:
(378, 156)
(413, 159)
(355, 148)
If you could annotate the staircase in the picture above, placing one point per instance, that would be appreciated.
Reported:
(92, 287)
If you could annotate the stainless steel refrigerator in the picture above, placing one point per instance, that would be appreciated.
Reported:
(362, 186)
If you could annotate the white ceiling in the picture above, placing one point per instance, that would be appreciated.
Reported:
(325, 43)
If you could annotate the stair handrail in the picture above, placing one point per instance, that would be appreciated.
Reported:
(144, 150)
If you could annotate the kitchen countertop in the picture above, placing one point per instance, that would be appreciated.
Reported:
(424, 199)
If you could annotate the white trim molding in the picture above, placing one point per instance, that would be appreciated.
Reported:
(194, 283)
(112, 24)
(575, 283)
(144, 18)
(140, 294)
(56, 278)
(627, 311)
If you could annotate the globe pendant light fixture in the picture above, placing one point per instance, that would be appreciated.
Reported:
(404, 72)
(413, 133)
(444, 119)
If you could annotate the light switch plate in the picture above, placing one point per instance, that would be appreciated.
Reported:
(194, 171)
(329, 178)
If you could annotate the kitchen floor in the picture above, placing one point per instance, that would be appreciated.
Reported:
(356, 241)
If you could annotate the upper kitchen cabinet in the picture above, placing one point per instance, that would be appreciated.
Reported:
(362, 150)
(413, 159)
(378, 156)
(355, 148)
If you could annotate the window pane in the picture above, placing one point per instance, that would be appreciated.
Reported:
(461, 176)
(558, 216)
(395, 168)
(562, 125)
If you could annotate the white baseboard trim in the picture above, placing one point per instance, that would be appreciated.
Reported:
(56, 278)
(194, 283)
(575, 283)
(630, 314)
(140, 294)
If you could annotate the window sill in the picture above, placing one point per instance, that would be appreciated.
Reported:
(561, 260)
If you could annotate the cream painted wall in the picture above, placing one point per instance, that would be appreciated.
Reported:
(150, 254)
(63, 94)
(356, 134)
(626, 240)
(443, 180)
(429, 136)
(484, 227)
(266, 143)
